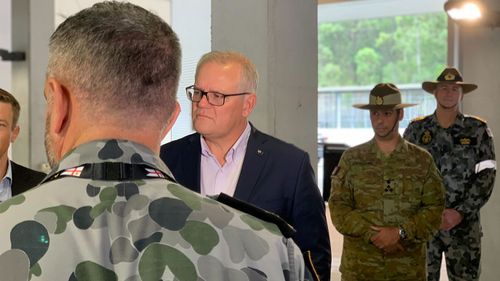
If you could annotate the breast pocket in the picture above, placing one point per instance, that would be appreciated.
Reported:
(411, 195)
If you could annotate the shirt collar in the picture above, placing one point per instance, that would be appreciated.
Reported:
(8, 174)
(238, 146)
(6, 181)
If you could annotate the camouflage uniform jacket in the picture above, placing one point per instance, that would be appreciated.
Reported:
(152, 229)
(465, 155)
(370, 188)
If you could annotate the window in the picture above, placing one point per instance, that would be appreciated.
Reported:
(377, 45)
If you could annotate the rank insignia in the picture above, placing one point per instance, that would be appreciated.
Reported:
(465, 141)
(379, 100)
(426, 137)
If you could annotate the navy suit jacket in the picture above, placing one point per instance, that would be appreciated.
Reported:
(275, 176)
(24, 178)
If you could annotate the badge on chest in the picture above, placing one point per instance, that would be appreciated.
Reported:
(464, 140)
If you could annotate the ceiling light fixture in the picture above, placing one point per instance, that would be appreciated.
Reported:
(471, 12)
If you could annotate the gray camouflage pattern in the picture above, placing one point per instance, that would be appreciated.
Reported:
(82, 230)
(370, 188)
(456, 151)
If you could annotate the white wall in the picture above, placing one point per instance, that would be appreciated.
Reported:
(193, 26)
(65, 8)
(5, 43)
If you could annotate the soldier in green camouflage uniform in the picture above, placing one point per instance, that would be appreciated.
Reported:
(109, 210)
(386, 199)
(462, 147)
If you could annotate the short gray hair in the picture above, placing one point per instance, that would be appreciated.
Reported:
(121, 59)
(248, 70)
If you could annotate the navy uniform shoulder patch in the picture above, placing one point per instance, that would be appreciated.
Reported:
(476, 118)
(419, 118)
(488, 131)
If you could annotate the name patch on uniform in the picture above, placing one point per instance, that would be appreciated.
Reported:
(426, 137)
(465, 140)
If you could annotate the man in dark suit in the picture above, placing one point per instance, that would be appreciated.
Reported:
(14, 178)
(228, 155)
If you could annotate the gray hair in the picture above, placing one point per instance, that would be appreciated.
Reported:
(248, 70)
(121, 60)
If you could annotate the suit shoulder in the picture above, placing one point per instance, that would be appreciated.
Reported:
(16, 168)
(279, 146)
(179, 143)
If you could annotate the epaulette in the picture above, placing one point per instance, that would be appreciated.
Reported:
(287, 230)
(475, 117)
(419, 118)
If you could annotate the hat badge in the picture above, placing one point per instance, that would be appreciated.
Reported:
(379, 100)
(449, 76)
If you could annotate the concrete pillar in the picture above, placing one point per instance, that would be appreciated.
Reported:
(480, 64)
(5, 43)
(32, 25)
(280, 37)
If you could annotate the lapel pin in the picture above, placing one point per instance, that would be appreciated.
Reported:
(259, 152)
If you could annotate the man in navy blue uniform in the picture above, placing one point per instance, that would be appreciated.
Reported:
(463, 150)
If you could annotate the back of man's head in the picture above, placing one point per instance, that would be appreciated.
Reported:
(8, 98)
(120, 61)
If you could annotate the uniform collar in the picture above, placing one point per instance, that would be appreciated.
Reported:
(111, 150)
(459, 121)
(401, 147)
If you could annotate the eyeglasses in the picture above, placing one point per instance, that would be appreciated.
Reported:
(213, 98)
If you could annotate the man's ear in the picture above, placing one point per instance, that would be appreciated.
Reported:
(171, 120)
(60, 106)
(249, 104)
(401, 114)
(14, 134)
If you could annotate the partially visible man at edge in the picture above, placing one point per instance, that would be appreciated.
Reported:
(227, 154)
(109, 209)
(15, 178)
(386, 198)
